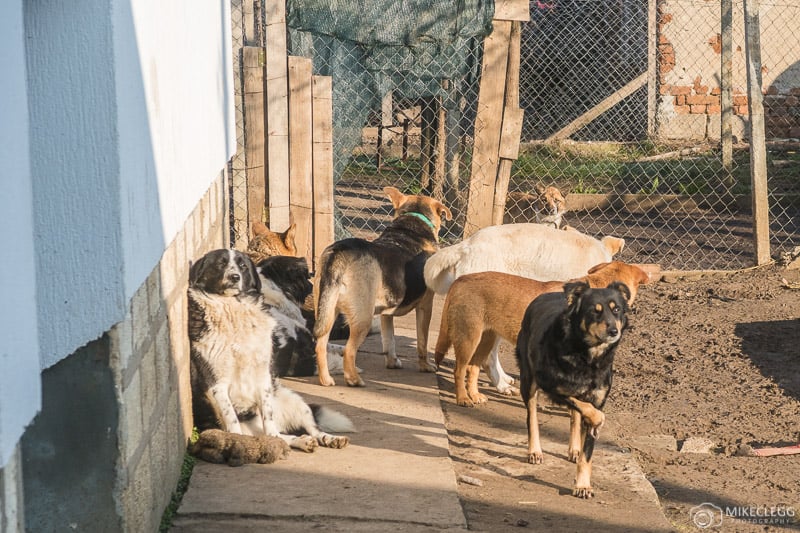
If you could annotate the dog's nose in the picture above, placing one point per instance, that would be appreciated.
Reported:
(235, 277)
(612, 331)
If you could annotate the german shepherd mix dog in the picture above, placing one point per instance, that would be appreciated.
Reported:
(234, 336)
(361, 279)
(482, 307)
(565, 348)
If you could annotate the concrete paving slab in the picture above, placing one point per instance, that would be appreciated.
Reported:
(396, 470)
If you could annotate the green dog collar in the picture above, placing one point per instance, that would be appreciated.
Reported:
(422, 218)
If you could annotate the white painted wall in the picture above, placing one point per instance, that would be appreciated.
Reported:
(131, 119)
(20, 394)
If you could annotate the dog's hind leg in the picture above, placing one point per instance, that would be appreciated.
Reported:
(387, 342)
(583, 479)
(574, 435)
(500, 380)
(484, 345)
(424, 312)
(535, 455)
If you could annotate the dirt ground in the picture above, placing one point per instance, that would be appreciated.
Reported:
(716, 358)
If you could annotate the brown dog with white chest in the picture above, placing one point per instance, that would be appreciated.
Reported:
(483, 306)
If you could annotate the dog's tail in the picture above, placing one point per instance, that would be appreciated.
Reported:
(443, 343)
(326, 293)
(331, 421)
(440, 268)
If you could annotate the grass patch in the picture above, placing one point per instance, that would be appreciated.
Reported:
(180, 489)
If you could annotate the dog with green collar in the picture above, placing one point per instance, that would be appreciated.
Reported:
(361, 279)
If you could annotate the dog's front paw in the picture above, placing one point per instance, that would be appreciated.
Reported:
(306, 443)
(536, 458)
(426, 365)
(332, 441)
(353, 381)
(573, 454)
(583, 492)
(507, 390)
(595, 423)
(392, 361)
(326, 381)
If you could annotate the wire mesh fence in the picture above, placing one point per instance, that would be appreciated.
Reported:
(622, 114)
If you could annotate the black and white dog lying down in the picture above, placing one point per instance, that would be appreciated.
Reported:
(235, 337)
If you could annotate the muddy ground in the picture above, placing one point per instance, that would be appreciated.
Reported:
(715, 358)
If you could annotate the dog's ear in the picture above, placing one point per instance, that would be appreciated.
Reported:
(288, 238)
(196, 270)
(254, 286)
(614, 245)
(574, 291)
(395, 196)
(259, 228)
(539, 188)
(443, 211)
(622, 288)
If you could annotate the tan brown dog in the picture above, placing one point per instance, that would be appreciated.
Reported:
(546, 206)
(266, 243)
(483, 306)
(361, 279)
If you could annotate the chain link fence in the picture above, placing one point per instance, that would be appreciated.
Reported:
(621, 113)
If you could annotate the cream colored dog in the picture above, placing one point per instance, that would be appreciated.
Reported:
(532, 251)
(480, 308)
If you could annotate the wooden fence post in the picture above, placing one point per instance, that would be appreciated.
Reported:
(758, 149)
(726, 87)
(253, 71)
(322, 137)
(300, 154)
(277, 89)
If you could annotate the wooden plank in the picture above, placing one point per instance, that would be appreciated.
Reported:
(488, 121)
(275, 12)
(758, 148)
(512, 10)
(277, 92)
(301, 199)
(322, 138)
(512, 125)
(253, 71)
(618, 96)
(726, 88)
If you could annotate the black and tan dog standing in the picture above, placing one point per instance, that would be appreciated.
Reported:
(565, 348)
(361, 279)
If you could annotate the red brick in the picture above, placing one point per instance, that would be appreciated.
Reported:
(716, 91)
(664, 89)
(741, 110)
(681, 109)
(716, 43)
(740, 100)
(680, 100)
(701, 99)
(665, 18)
(697, 109)
(680, 89)
(713, 109)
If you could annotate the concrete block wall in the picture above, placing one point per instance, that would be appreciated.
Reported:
(150, 363)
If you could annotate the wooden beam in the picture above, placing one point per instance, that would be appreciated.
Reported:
(758, 148)
(277, 89)
(253, 71)
(301, 199)
(583, 120)
(518, 10)
(322, 138)
(488, 122)
(652, 67)
(512, 125)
